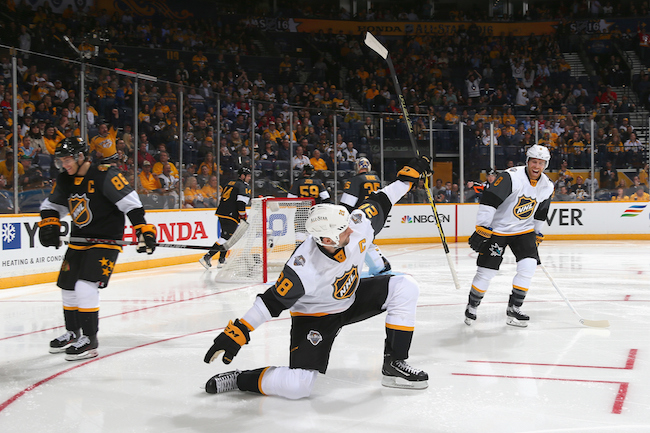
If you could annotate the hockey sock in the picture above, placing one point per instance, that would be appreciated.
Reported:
(89, 322)
(71, 318)
(88, 296)
(250, 380)
(480, 284)
(517, 298)
(522, 279)
(397, 343)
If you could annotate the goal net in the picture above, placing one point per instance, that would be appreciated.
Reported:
(277, 226)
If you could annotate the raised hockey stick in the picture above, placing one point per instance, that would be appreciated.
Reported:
(592, 323)
(377, 47)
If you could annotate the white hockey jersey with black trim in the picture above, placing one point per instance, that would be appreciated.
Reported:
(518, 200)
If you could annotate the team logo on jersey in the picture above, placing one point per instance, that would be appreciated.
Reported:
(345, 285)
(80, 210)
(314, 337)
(496, 250)
(299, 261)
(356, 217)
(524, 207)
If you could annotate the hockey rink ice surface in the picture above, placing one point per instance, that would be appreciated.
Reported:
(156, 325)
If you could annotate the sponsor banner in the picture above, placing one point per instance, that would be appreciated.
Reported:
(58, 6)
(23, 254)
(596, 219)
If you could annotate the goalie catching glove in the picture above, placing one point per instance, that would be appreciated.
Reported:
(49, 232)
(146, 234)
(416, 168)
(229, 342)
(479, 237)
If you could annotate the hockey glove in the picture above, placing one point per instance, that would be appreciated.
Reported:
(229, 342)
(415, 168)
(49, 231)
(479, 237)
(539, 238)
(146, 234)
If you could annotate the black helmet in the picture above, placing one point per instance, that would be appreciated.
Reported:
(71, 146)
(307, 170)
(244, 171)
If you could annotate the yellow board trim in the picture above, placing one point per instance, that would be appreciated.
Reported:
(51, 277)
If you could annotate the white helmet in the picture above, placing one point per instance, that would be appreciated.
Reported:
(539, 152)
(327, 221)
(363, 163)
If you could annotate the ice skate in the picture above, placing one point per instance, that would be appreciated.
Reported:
(206, 261)
(84, 348)
(470, 315)
(399, 374)
(61, 343)
(516, 317)
(222, 382)
(222, 261)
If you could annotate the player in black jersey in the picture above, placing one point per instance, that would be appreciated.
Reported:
(355, 191)
(97, 198)
(309, 188)
(235, 197)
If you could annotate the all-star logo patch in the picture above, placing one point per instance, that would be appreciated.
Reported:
(299, 261)
(524, 207)
(496, 250)
(345, 285)
(80, 210)
(314, 337)
(356, 217)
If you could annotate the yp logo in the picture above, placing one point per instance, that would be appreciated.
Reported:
(11, 236)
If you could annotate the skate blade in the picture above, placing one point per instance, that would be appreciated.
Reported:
(59, 349)
(398, 382)
(205, 264)
(517, 323)
(469, 321)
(92, 353)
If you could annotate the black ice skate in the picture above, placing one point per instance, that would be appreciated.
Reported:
(59, 344)
(516, 317)
(84, 348)
(222, 382)
(399, 374)
(470, 314)
(206, 261)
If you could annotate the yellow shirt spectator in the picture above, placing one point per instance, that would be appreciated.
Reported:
(104, 142)
(158, 167)
(148, 181)
(318, 163)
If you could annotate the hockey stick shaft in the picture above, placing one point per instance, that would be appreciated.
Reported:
(586, 322)
(377, 47)
(129, 243)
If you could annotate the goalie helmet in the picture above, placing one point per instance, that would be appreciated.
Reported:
(70, 146)
(539, 152)
(327, 221)
(363, 164)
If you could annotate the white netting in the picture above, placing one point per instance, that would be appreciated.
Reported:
(278, 223)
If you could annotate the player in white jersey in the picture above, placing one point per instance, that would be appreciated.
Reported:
(511, 213)
(321, 286)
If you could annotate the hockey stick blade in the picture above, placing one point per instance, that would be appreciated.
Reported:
(586, 322)
(375, 45)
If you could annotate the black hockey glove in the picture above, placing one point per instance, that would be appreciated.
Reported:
(146, 234)
(479, 237)
(49, 232)
(416, 168)
(539, 238)
(229, 342)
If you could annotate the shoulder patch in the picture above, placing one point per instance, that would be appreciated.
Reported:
(356, 217)
(299, 261)
(103, 167)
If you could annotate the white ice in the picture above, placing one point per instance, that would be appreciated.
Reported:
(156, 325)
